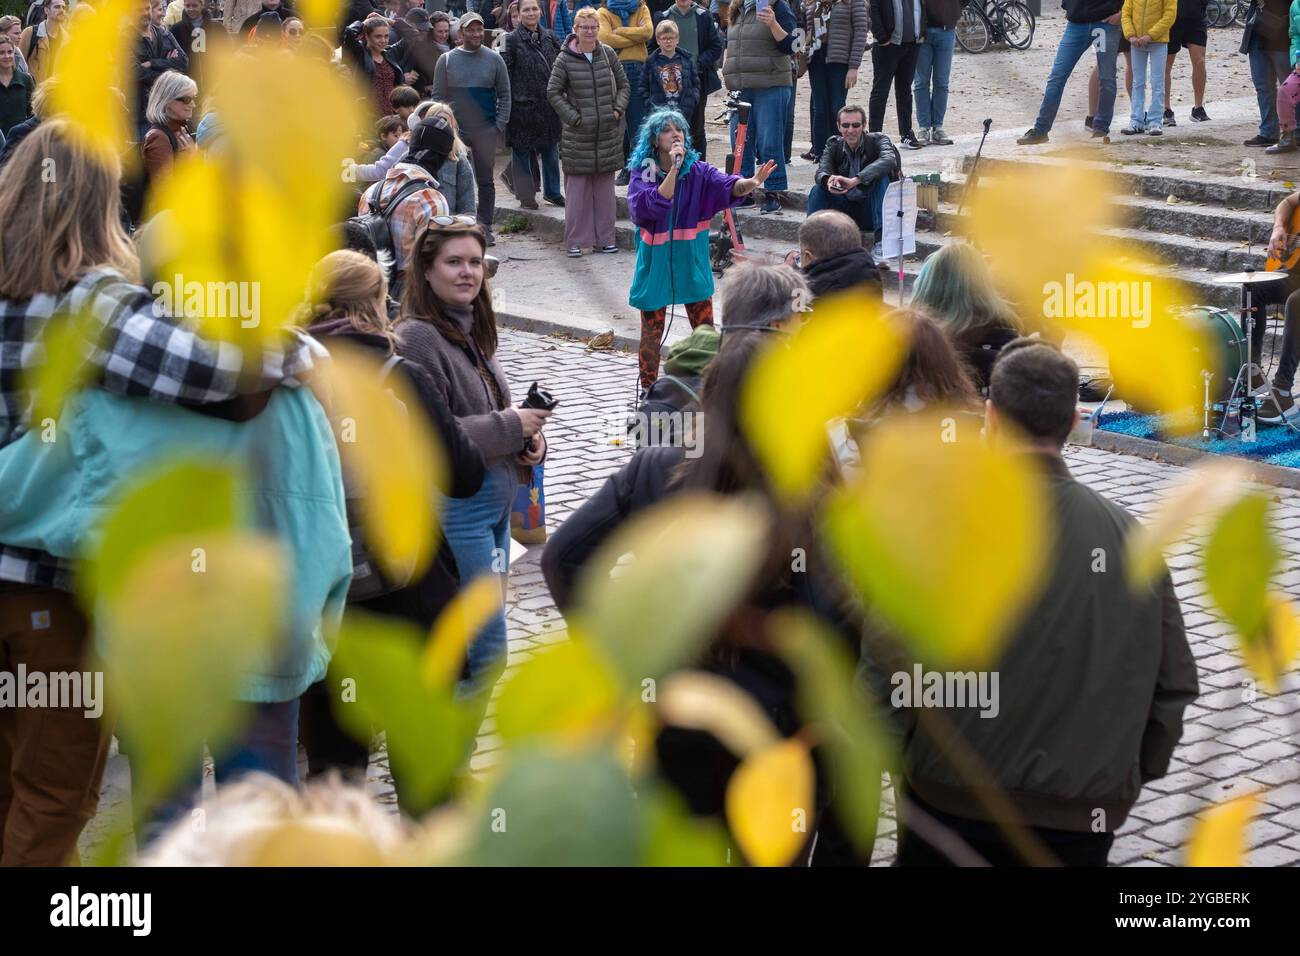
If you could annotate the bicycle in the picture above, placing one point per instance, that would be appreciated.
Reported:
(982, 24)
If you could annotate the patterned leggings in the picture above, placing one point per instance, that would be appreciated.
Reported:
(652, 333)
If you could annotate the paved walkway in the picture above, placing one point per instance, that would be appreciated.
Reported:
(1229, 746)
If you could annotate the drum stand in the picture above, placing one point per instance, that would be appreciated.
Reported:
(1240, 397)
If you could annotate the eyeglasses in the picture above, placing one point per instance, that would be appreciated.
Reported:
(850, 126)
(187, 100)
(446, 221)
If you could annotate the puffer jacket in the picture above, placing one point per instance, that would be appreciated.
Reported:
(1293, 29)
(1266, 22)
(586, 96)
(1151, 18)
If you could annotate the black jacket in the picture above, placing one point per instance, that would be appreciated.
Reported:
(881, 159)
(15, 136)
(354, 52)
(693, 761)
(1090, 11)
(844, 270)
(415, 51)
(154, 57)
(215, 37)
(1092, 683)
(422, 601)
(881, 14)
(1268, 22)
(710, 43)
(16, 101)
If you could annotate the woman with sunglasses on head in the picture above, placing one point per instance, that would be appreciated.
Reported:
(671, 197)
(169, 112)
(448, 328)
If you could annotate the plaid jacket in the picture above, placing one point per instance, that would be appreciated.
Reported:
(411, 214)
(133, 352)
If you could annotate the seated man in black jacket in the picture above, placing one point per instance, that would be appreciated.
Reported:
(856, 169)
(832, 257)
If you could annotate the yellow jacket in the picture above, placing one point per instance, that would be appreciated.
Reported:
(1151, 18)
(630, 41)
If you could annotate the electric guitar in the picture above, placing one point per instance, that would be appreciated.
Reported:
(1291, 250)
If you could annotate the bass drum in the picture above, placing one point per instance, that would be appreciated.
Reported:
(1226, 344)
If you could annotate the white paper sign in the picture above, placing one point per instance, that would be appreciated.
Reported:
(894, 228)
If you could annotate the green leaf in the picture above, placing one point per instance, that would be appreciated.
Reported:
(1239, 561)
(676, 838)
(566, 691)
(187, 500)
(695, 555)
(181, 637)
(553, 808)
(828, 700)
(378, 684)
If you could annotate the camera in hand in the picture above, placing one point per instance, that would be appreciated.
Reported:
(538, 398)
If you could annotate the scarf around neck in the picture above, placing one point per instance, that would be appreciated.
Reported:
(624, 8)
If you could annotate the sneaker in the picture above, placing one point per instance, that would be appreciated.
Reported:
(574, 253)
(528, 204)
(1087, 122)
(1132, 130)
(1098, 134)
(1285, 144)
(491, 239)
(811, 157)
(909, 142)
(1155, 131)
(771, 203)
(1260, 141)
(1277, 408)
(609, 250)
(555, 201)
(1032, 138)
(939, 138)
(1169, 119)
(1199, 115)
(923, 136)
(622, 178)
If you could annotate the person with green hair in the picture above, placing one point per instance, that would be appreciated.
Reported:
(956, 288)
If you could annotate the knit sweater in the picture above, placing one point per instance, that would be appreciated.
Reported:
(629, 42)
(477, 85)
(494, 428)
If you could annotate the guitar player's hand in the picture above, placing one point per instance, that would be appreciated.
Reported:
(1276, 243)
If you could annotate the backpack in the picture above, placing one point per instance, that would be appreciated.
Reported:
(368, 581)
(375, 222)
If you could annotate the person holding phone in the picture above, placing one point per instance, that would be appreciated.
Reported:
(856, 169)
(672, 196)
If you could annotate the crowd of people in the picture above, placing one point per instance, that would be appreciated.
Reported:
(601, 93)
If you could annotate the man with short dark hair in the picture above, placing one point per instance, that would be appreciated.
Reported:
(832, 257)
(1093, 681)
(856, 169)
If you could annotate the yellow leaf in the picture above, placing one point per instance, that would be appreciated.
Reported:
(702, 549)
(95, 78)
(1239, 562)
(913, 532)
(770, 803)
(1208, 488)
(1270, 653)
(391, 454)
(319, 13)
(1220, 835)
(700, 701)
(457, 625)
(841, 357)
(566, 693)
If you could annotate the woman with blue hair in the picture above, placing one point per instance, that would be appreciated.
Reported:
(672, 195)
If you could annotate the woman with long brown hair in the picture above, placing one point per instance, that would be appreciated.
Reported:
(448, 328)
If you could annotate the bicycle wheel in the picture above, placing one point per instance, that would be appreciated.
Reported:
(1017, 24)
(1216, 14)
(972, 30)
(1239, 12)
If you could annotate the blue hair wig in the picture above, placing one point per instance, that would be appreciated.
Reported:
(645, 155)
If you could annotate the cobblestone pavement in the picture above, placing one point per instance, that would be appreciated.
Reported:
(1229, 746)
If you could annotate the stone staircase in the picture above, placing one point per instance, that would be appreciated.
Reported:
(1212, 225)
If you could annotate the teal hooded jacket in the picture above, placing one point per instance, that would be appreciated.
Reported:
(57, 494)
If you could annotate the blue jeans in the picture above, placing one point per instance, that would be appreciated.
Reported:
(522, 173)
(1267, 70)
(864, 212)
(1143, 116)
(268, 745)
(766, 132)
(636, 110)
(478, 530)
(828, 95)
(1074, 44)
(933, 66)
